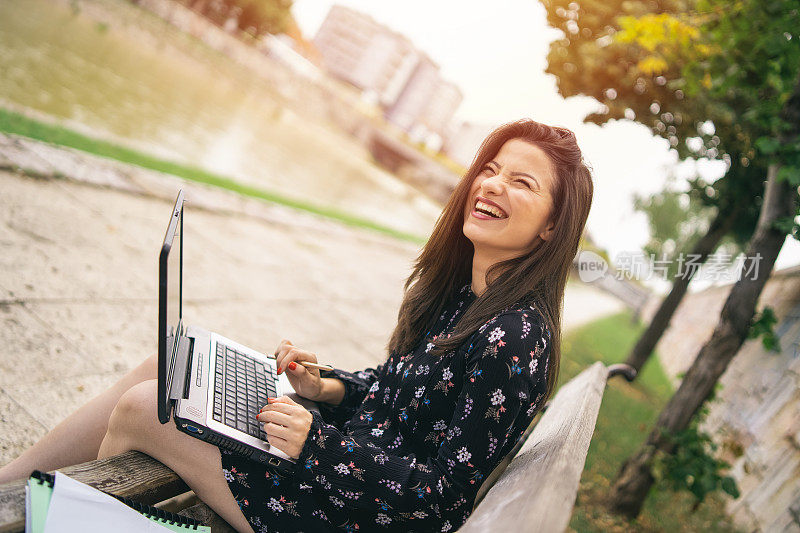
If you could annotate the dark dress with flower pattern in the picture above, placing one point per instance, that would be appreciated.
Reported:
(413, 439)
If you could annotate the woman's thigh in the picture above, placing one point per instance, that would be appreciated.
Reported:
(134, 425)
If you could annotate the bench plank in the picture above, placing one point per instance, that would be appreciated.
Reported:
(131, 474)
(207, 516)
(538, 489)
(536, 492)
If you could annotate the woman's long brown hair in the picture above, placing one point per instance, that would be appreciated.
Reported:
(539, 278)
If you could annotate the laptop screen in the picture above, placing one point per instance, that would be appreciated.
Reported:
(175, 284)
(169, 304)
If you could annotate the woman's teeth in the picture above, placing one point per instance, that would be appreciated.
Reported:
(490, 209)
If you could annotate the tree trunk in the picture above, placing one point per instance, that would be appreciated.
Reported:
(719, 227)
(780, 199)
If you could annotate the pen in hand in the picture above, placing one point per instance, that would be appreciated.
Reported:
(309, 364)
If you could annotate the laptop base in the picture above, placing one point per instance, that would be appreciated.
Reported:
(275, 463)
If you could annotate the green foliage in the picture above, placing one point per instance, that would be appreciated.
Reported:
(714, 72)
(787, 225)
(692, 466)
(790, 173)
(767, 145)
(677, 220)
(761, 325)
(758, 71)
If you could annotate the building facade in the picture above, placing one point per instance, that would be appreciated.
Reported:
(464, 139)
(390, 72)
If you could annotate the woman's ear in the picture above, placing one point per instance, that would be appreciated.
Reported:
(548, 231)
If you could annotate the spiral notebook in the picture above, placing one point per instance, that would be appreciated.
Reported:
(60, 504)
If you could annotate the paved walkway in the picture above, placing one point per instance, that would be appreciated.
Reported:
(79, 240)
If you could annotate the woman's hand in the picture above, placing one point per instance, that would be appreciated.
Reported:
(305, 381)
(286, 423)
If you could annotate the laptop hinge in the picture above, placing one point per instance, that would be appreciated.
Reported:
(180, 374)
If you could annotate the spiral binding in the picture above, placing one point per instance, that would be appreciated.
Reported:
(147, 510)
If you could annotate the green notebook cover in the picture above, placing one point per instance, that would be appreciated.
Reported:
(38, 501)
(40, 490)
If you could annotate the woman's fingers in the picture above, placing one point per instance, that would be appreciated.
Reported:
(281, 407)
(274, 416)
(286, 424)
(288, 357)
(278, 442)
(271, 428)
(284, 346)
(295, 355)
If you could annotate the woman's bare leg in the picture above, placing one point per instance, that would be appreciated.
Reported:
(77, 438)
(134, 425)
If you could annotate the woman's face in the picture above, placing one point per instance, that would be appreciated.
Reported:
(519, 185)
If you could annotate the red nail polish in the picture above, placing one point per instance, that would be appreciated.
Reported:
(280, 370)
(292, 365)
(270, 400)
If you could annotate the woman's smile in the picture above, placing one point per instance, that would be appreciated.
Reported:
(485, 209)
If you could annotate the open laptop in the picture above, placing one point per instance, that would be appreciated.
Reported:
(212, 385)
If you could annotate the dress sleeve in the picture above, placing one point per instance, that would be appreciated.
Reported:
(356, 387)
(502, 388)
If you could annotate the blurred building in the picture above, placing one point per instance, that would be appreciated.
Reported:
(438, 114)
(283, 48)
(300, 44)
(464, 139)
(390, 72)
(419, 88)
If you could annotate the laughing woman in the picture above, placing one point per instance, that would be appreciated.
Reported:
(404, 446)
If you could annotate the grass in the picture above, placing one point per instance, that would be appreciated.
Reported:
(18, 124)
(627, 414)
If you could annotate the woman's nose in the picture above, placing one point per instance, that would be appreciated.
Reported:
(493, 184)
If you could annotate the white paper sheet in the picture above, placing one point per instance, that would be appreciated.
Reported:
(78, 508)
(27, 508)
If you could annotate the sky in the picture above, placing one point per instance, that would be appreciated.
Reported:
(496, 52)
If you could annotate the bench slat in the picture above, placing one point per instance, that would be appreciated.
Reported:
(538, 489)
(131, 474)
(207, 516)
(535, 493)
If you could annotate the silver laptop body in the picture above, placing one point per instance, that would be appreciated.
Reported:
(212, 385)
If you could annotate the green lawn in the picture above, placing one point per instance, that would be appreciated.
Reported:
(11, 122)
(626, 416)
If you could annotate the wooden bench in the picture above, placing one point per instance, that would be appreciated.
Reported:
(532, 489)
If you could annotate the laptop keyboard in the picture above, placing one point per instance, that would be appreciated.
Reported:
(241, 388)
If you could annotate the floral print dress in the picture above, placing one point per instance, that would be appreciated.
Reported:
(413, 439)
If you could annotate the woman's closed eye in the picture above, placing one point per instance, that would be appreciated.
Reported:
(524, 182)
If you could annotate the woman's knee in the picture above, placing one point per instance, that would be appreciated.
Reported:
(148, 369)
(135, 410)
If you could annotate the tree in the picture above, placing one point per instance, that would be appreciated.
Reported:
(735, 219)
(769, 129)
(677, 220)
(780, 202)
(726, 74)
(630, 55)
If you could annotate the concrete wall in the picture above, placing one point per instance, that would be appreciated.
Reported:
(756, 416)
